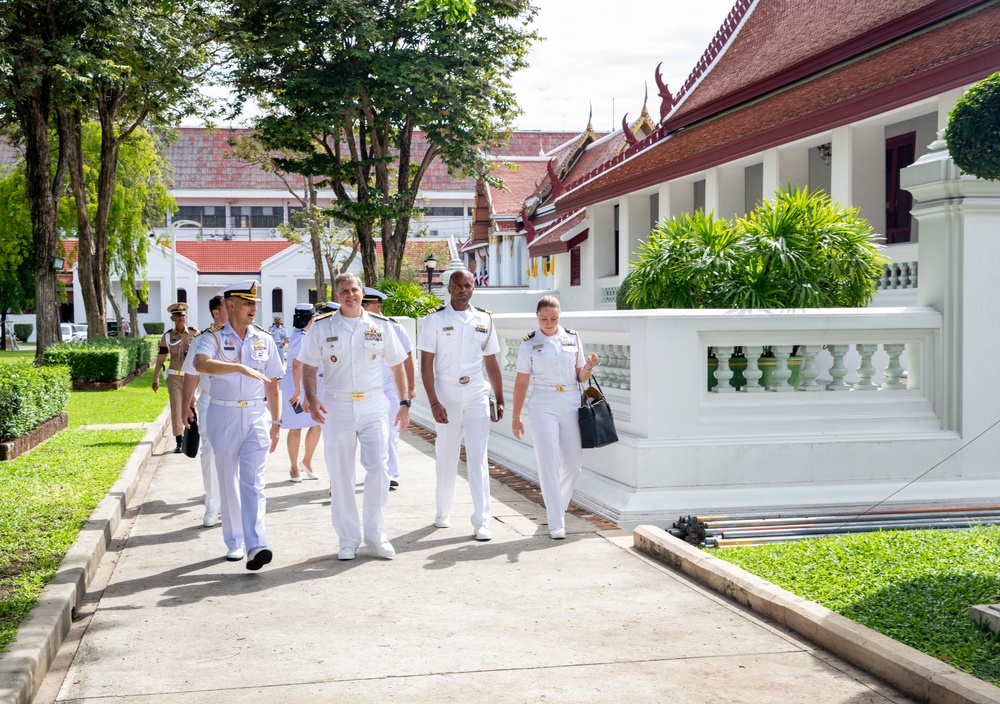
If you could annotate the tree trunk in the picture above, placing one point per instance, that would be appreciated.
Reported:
(315, 233)
(133, 317)
(117, 310)
(105, 191)
(369, 259)
(87, 265)
(34, 119)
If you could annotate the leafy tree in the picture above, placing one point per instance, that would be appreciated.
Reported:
(346, 85)
(799, 250)
(17, 281)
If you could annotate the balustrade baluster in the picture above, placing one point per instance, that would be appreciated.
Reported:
(866, 371)
(614, 379)
(914, 266)
(723, 373)
(904, 275)
(894, 279)
(838, 371)
(781, 370)
(625, 366)
(893, 370)
(604, 374)
(883, 281)
(809, 371)
(753, 372)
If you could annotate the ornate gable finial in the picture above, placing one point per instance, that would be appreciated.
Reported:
(557, 187)
(666, 99)
(529, 226)
(627, 131)
(590, 118)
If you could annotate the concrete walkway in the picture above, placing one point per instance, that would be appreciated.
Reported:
(522, 618)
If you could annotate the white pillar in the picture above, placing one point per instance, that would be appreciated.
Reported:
(783, 166)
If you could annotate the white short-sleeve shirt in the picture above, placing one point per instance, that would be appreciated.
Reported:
(458, 340)
(256, 350)
(551, 361)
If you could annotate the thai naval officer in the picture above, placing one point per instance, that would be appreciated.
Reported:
(372, 302)
(455, 342)
(193, 381)
(551, 358)
(350, 346)
(245, 365)
(174, 344)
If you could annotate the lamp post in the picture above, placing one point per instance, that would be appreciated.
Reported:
(430, 264)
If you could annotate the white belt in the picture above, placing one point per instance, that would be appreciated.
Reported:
(352, 395)
(556, 387)
(237, 404)
(462, 380)
(175, 372)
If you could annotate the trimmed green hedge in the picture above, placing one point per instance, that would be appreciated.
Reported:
(103, 359)
(29, 396)
(154, 328)
(23, 331)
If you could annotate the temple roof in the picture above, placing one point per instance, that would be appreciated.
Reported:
(233, 257)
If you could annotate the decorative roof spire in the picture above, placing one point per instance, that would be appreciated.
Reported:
(666, 99)
(627, 131)
(557, 187)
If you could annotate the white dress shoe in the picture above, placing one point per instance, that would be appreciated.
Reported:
(258, 558)
(383, 549)
(235, 555)
(442, 522)
(558, 534)
(307, 473)
(483, 533)
(347, 554)
(295, 479)
(210, 518)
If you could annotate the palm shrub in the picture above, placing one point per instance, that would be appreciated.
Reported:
(407, 299)
(799, 250)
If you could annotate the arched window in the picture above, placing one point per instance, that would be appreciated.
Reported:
(277, 300)
(182, 296)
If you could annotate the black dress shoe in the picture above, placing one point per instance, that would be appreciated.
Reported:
(180, 444)
(258, 558)
(393, 485)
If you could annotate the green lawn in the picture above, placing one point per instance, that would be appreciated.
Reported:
(47, 494)
(12, 356)
(913, 586)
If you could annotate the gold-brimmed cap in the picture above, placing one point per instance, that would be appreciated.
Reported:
(174, 308)
(247, 290)
(372, 295)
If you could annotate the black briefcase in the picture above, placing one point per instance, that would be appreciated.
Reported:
(597, 423)
(192, 438)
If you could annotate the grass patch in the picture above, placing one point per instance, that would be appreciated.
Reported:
(913, 586)
(135, 403)
(14, 356)
(46, 496)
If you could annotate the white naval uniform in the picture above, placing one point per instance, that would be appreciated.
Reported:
(238, 430)
(350, 352)
(552, 362)
(459, 340)
(209, 477)
(390, 393)
(290, 420)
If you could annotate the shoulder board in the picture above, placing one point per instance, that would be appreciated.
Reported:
(194, 330)
(569, 332)
(392, 320)
(488, 312)
(438, 309)
(377, 315)
(321, 316)
(261, 329)
(214, 328)
(528, 336)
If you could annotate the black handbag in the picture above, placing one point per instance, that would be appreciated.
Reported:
(597, 424)
(192, 438)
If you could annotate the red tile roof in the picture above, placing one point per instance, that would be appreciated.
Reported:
(949, 56)
(549, 240)
(234, 257)
(202, 159)
(519, 183)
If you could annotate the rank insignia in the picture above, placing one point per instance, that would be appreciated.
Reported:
(481, 328)
(373, 335)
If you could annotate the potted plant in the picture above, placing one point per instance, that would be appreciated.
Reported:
(798, 250)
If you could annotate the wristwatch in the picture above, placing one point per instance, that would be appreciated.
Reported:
(276, 422)
(406, 403)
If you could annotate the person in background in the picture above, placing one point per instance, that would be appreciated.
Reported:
(175, 343)
(455, 342)
(372, 302)
(350, 346)
(203, 384)
(293, 417)
(245, 365)
(279, 334)
(551, 359)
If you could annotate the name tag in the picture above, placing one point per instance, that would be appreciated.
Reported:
(537, 347)
(448, 329)
(480, 328)
(332, 339)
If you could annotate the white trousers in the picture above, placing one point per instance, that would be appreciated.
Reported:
(209, 477)
(393, 466)
(555, 434)
(469, 420)
(240, 442)
(347, 422)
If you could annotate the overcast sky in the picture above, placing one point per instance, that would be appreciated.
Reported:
(601, 53)
(605, 53)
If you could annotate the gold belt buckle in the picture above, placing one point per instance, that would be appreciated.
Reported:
(560, 388)
(357, 396)
(242, 404)
(463, 380)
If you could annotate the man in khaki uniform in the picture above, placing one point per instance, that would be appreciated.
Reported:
(175, 343)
